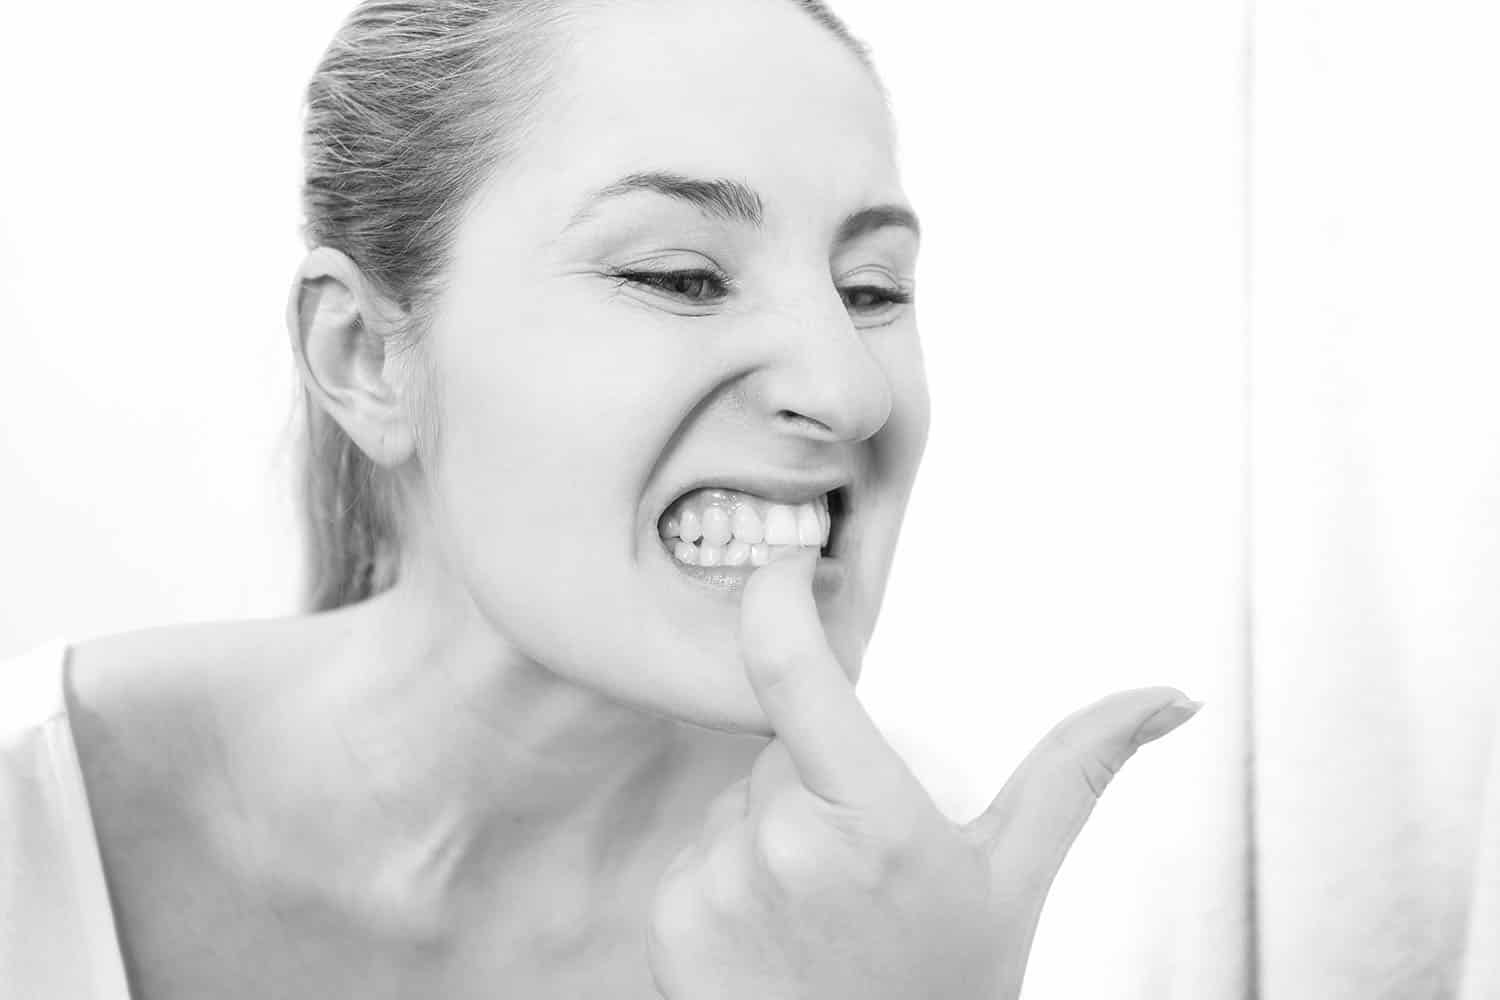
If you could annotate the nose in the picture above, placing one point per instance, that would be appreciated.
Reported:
(821, 380)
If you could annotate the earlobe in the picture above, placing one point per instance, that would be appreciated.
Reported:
(340, 329)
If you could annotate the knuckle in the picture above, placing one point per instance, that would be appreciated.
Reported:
(890, 851)
(1091, 767)
(774, 667)
(776, 662)
(807, 858)
(784, 851)
(1095, 771)
(875, 866)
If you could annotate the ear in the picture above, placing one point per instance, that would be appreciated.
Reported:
(340, 327)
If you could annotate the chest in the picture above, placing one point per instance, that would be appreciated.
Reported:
(190, 926)
(185, 936)
(239, 967)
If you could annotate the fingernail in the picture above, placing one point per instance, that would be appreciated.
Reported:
(1166, 720)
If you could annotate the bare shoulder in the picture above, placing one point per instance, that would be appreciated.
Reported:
(133, 677)
(148, 711)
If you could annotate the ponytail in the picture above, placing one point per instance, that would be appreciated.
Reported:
(349, 508)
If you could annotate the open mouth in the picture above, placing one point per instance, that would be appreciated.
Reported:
(718, 526)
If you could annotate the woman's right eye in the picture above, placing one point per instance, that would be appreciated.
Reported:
(697, 285)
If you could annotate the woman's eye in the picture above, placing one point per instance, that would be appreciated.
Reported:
(694, 285)
(873, 298)
(704, 287)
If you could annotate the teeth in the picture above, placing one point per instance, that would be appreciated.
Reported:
(737, 528)
(747, 526)
(809, 526)
(781, 525)
(716, 529)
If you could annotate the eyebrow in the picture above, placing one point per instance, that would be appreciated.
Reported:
(734, 201)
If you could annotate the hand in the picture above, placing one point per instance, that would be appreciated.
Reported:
(829, 873)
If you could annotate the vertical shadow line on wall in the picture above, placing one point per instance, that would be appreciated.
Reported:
(1247, 558)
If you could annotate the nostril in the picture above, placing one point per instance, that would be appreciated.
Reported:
(799, 419)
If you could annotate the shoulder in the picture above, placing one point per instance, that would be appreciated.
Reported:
(152, 711)
(172, 648)
(133, 677)
(147, 708)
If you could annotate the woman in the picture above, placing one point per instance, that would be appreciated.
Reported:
(615, 403)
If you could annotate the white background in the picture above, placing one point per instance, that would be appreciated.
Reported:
(1083, 170)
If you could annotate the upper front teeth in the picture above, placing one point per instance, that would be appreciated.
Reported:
(781, 525)
(747, 526)
(716, 526)
(717, 517)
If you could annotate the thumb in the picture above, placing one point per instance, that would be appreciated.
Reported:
(1038, 814)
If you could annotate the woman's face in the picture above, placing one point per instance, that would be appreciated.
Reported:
(689, 278)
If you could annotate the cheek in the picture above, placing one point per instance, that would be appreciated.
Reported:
(895, 455)
(532, 524)
(548, 433)
(896, 451)
(536, 410)
(913, 402)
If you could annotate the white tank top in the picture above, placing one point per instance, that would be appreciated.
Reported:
(57, 932)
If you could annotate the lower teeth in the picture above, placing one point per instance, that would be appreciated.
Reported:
(734, 554)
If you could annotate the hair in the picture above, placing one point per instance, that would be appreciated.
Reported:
(414, 103)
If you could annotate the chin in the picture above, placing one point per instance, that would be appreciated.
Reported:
(713, 691)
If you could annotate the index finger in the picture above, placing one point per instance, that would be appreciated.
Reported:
(839, 752)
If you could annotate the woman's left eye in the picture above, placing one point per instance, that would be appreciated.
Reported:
(693, 285)
(873, 298)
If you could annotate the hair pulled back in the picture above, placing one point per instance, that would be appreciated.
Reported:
(414, 103)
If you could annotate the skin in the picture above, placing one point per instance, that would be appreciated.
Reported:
(575, 406)
(522, 717)
(510, 767)
(828, 871)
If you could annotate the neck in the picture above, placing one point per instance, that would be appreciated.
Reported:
(425, 763)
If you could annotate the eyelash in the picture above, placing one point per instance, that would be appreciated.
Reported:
(664, 281)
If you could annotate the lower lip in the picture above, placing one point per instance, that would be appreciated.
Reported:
(827, 577)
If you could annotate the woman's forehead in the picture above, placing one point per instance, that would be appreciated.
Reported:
(753, 76)
(754, 91)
